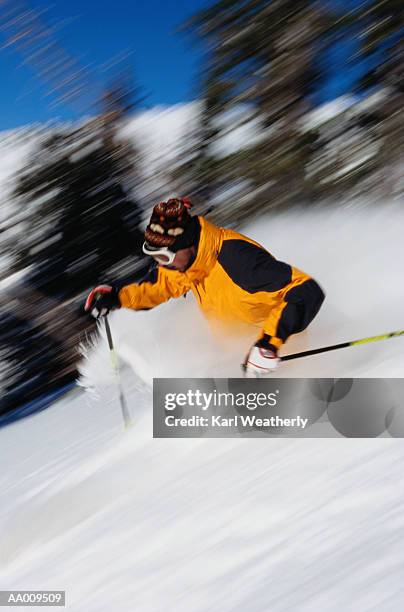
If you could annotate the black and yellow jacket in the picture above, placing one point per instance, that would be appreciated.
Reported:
(233, 279)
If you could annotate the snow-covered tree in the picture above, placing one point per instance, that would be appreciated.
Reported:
(383, 48)
(77, 192)
(260, 58)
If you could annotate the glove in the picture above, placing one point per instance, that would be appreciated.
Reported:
(261, 360)
(101, 300)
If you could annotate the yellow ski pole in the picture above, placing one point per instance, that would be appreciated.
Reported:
(334, 347)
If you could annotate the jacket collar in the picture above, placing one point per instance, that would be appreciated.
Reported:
(210, 243)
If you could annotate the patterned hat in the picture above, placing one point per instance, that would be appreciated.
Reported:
(172, 226)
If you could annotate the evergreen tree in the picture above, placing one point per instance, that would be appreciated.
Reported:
(260, 60)
(383, 50)
(79, 195)
(80, 219)
(383, 44)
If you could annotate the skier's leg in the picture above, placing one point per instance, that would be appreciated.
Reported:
(303, 303)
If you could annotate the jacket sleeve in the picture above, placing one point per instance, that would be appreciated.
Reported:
(296, 308)
(159, 287)
(271, 325)
(268, 282)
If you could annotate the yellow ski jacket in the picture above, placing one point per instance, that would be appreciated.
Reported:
(233, 279)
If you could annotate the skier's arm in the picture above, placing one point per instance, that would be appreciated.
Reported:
(158, 288)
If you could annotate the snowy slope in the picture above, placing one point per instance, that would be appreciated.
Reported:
(126, 522)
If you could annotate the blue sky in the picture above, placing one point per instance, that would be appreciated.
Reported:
(166, 64)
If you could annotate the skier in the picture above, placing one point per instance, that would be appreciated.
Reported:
(231, 276)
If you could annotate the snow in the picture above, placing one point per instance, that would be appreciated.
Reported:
(13, 279)
(354, 252)
(159, 133)
(123, 521)
(165, 134)
(15, 150)
(330, 110)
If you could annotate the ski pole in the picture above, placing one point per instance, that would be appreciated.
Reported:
(334, 347)
(115, 367)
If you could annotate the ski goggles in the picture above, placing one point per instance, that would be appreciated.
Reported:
(161, 254)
